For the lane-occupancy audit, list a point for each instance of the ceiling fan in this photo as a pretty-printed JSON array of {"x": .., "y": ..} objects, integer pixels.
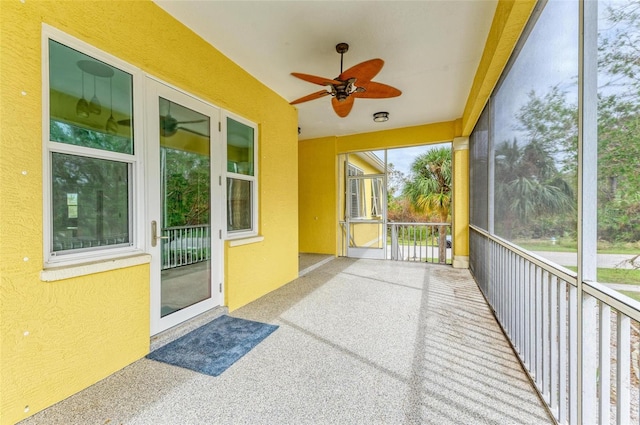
[
  {"x": 169, "y": 125},
  {"x": 350, "y": 84}
]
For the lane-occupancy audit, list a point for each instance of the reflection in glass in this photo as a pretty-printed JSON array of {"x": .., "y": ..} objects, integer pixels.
[
  {"x": 75, "y": 121},
  {"x": 238, "y": 204},
  {"x": 239, "y": 148},
  {"x": 619, "y": 135},
  {"x": 186, "y": 203},
  {"x": 535, "y": 134},
  {"x": 90, "y": 202}
]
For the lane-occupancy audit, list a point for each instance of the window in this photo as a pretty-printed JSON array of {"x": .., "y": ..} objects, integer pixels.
[
  {"x": 242, "y": 205},
  {"x": 357, "y": 205},
  {"x": 376, "y": 197},
  {"x": 90, "y": 162}
]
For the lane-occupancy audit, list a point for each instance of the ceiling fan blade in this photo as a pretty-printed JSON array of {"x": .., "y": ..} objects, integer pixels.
[
  {"x": 342, "y": 108},
  {"x": 364, "y": 71},
  {"x": 316, "y": 80},
  {"x": 312, "y": 96},
  {"x": 374, "y": 90}
]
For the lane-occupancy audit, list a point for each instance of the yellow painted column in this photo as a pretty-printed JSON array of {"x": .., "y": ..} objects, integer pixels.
[{"x": 460, "y": 225}]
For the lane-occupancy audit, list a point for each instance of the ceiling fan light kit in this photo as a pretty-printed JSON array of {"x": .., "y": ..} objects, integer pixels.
[
  {"x": 84, "y": 108},
  {"x": 381, "y": 116},
  {"x": 352, "y": 83}
]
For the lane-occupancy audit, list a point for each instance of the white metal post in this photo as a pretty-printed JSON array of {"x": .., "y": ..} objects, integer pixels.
[{"x": 587, "y": 208}]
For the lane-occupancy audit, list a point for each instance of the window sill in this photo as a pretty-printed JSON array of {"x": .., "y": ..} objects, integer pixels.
[
  {"x": 67, "y": 272},
  {"x": 245, "y": 241}
]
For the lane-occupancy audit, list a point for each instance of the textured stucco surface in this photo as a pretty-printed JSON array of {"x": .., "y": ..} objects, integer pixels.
[
  {"x": 59, "y": 337},
  {"x": 508, "y": 23},
  {"x": 317, "y": 194}
]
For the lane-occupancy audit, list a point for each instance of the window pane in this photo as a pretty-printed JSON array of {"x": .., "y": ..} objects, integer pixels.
[
  {"x": 618, "y": 138},
  {"x": 238, "y": 205},
  {"x": 90, "y": 202},
  {"x": 239, "y": 148},
  {"x": 535, "y": 135},
  {"x": 185, "y": 147},
  {"x": 91, "y": 103}
]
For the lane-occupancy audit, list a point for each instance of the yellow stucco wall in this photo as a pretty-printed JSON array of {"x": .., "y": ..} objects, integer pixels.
[
  {"x": 509, "y": 21},
  {"x": 318, "y": 177},
  {"x": 460, "y": 216},
  {"x": 57, "y": 338},
  {"x": 317, "y": 188},
  {"x": 398, "y": 138}
]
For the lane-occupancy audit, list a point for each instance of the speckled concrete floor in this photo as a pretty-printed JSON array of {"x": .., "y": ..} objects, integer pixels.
[{"x": 360, "y": 342}]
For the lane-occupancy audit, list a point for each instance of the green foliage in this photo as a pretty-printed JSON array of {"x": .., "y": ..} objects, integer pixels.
[
  {"x": 74, "y": 134},
  {"x": 428, "y": 187},
  {"x": 187, "y": 188},
  {"x": 531, "y": 194}
]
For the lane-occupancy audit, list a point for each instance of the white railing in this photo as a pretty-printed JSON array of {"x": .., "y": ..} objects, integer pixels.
[
  {"x": 536, "y": 303},
  {"x": 185, "y": 245},
  {"x": 423, "y": 242}
]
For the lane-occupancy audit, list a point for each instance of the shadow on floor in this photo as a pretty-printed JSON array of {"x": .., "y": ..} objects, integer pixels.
[{"x": 360, "y": 342}]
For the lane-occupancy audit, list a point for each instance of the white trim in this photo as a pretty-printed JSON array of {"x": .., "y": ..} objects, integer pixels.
[
  {"x": 253, "y": 179},
  {"x": 372, "y": 159},
  {"x": 136, "y": 231},
  {"x": 154, "y": 89},
  {"x": 247, "y": 241},
  {"x": 68, "y": 272}
]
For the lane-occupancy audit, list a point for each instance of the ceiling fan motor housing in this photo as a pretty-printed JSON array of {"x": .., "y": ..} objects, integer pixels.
[{"x": 343, "y": 88}]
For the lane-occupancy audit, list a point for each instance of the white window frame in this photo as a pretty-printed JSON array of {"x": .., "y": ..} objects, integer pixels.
[
  {"x": 134, "y": 161},
  {"x": 253, "y": 179},
  {"x": 353, "y": 171},
  {"x": 376, "y": 202}
]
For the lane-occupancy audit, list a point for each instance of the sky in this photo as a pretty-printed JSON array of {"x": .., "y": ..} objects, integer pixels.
[
  {"x": 549, "y": 58},
  {"x": 402, "y": 158}
]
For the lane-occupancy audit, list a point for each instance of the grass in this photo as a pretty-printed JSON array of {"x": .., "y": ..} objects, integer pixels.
[
  {"x": 570, "y": 245},
  {"x": 626, "y": 276},
  {"x": 634, "y": 295}
]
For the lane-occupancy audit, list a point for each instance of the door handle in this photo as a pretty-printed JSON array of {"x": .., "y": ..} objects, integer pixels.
[{"x": 154, "y": 234}]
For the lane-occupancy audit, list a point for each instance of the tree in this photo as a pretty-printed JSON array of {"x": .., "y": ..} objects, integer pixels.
[
  {"x": 531, "y": 190},
  {"x": 428, "y": 189},
  {"x": 619, "y": 123},
  {"x": 429, "y": 185}
]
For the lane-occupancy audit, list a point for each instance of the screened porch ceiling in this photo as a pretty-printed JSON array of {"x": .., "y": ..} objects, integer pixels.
[{"x": 431, "y": 51}]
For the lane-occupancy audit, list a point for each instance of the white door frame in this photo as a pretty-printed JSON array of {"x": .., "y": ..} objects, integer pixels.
[
  {"x": 367, "y": 252},
  {"x": 154, "y": 89}
]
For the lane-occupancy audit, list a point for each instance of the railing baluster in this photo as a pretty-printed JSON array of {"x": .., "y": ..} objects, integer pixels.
[
  {"x": 185, "y": 245},
  {"x": 604, "y": 364},
  {"x": 573, "y": 354},
  {"x": 554, "y": 343},
  {"x": 537, "y": 286},
  {"x": 623, "y": 362},
  {"x": 563, "y": 353},
  {"x": 546, "y": 341},
  {"x": 589, "y": 360}
]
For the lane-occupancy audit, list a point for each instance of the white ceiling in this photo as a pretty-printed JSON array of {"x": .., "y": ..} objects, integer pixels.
[{"x": 431, "y": 51}]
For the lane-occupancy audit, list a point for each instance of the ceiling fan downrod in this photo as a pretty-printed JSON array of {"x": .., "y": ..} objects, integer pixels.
[
  {"x": 342, "y": 48},
  {"x": 342, "y": 91}
]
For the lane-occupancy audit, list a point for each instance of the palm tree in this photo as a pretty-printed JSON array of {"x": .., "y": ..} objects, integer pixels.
[
  {"x": 429, "y": 189},
  {"x": 528, "y": 185}
]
